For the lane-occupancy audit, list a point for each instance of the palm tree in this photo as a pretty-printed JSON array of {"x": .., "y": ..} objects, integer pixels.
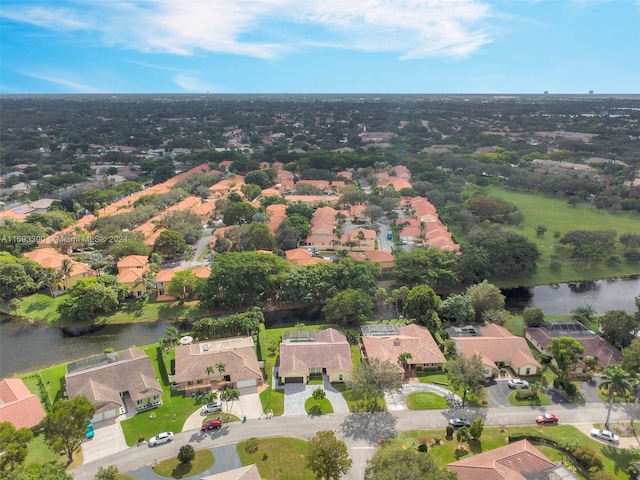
[
  {"x": 51, "y": 278},
  {"x": 221, "y": 367},
  {"x": 229, "y": 395},
  {"x": 360, "y": 239},
  {"x": 616, "y": 382},
  {"x": 65, "y": 271},
  {"x": 402, "y": 360}
]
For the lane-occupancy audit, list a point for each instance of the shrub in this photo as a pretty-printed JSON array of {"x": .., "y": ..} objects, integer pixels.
[
  {"x": 186, "y": 454},
  {"x": 632, "y": 256},
  {"x": 251, "y": 445},
  {"x": 463, "y": 435},
  {"x": 555, "y": 266},
  {"x": 545, "y": 359},
  {"x": 602, "y": 475},
  {"x": 526, "y": 395},
  {"x": 533, "y": 316},
  {"x": 566, "y": 385},
  {"x": 450, "y": 430},
  {"x": 587, "y": 456},
  {"x": 423, "y": 440},
  {"x": 423, "y": 448},
  {"x": 614, "y": 260}
]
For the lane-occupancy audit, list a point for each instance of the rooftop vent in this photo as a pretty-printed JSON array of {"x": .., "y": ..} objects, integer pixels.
[{"x": 205, "y": 347}]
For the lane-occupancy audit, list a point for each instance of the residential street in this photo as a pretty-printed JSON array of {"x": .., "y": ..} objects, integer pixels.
[{"x": 361, "y": 432}]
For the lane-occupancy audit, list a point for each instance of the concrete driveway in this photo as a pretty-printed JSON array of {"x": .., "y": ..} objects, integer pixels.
[
  {"x": 107, "y": 440},
  {"x": 296, "y": 394},
  {"x": 397, "y": 401}
]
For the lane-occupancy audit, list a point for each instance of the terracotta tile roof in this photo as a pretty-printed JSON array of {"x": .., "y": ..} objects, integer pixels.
[
  {"x": 379, "y": 256},
  {"x": 330, "y": 350},
  {"x": 165, "y": 275},
  {"x": 413, "y": 338},
  {"x": 133, "y": 261},
  {"x": 132, "y": 276},
  {"x": 498, "y": 345},
  {"x": 504, "y": 463},
  {"x": 202, "y": 272},
  {"x": 51, "y": 258},
  {"x": 132, "y": 372},
  {"x": 236, "y": 353},
  {"x": 18, "y": 405}
]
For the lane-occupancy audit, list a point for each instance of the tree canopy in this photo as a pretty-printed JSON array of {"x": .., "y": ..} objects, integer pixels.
[
  {"x": 431, "y": 266},
  {"x": 65, "y": 426},
  {"x": 349, "y": 308},
  {"x": 467, "y": 373},
  {"x": 619, "y": 327},
  {"x": 566, "y": 352},
  {"x": 485, "y": 296},
  {"x": 404, "y": 464},
  {"x": 327, "y": 457},
  {"x": 422, "y": 304},
  {"x": 373, "y": 378}
]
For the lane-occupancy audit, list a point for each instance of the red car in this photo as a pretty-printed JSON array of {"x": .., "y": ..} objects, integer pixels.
[
  {"x": 211, "y": 425},
  {"x": 547, "y": 418}
]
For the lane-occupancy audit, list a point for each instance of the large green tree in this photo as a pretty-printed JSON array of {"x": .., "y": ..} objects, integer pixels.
[
  {"x": 432, "y": 266},
  {"x": 65, "y": 426},
  {"x": 36, "y": 471},
  {"x": 566, "y": 352},
  {"x": 631, "y": 357},
  {"x": 349, "y": 308},
  {"x": 485, "y": 296},
  {"x": 422, "y": 304},
  {"x": 13, "y": 445},
  {"x": 373, "y": 378},
  {"x": 616, "y": 382},
  {"x": 467, "y": 373},
  {"x": 183, "y": 285},
  {"x": 508, "y": 253},
  {"x": 327, "y": 456},
  {"x": 243, "y": 279},
  {"x": 457, "y": 310},
  {"x": 14, "y": 281},
  {"x": 619, "y": 327},
  {"x": 87, "y": 298},
  {"x": 405, "y": 464},
  {"x": 170, "y": 244},
  {"x": 239, "y": 213}
]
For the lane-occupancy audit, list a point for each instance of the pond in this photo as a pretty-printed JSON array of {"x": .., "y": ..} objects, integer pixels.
[{"x": 25, "y": 347}]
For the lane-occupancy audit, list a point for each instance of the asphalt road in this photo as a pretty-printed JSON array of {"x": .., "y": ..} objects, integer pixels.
[{"x": 361, "y": 432}]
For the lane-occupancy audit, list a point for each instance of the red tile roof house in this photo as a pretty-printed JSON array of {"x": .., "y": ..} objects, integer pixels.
[
  {"x": 414, "y": 339},
  {"x": 498, "y": 348},
  {"x": 594, "y": 345},
  {"x": 115, "y": 383},
  {"x": 18, "y": 405},
  {"x": 242, "y": 370},
  {"x": 516, "y": 461},
  {"x": 323, "y": 352}
]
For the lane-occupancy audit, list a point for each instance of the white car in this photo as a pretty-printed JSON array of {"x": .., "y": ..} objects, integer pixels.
[
  {"x": 212, "y": 407},
  {"x": 517, "y": 383},
  {"x": 605, "y": 435},
  {"x": 163, "y": 437}
]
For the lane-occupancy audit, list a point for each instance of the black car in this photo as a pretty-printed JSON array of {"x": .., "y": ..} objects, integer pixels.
[{"x": 459, "y": 422}]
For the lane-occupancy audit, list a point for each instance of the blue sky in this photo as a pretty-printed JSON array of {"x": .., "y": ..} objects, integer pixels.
[{"x": 319, "y": 46}]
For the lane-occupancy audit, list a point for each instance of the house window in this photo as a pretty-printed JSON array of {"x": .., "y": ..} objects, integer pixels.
[
  {"x": 340, "y": 377},
  {"x": 160, "y": 292},
  {"x": 156, "y": 397},
  {"x": 528, "y": 371},
  {"x": 139, "y": 402},
  {"x": 189, "y": 382},
  {"x": 227, "y": 378},
  {"x": 199, "y": 382}
]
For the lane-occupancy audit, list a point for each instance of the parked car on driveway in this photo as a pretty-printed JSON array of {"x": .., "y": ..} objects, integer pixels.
[
  {"x": 212, "y": 407},
  {"x": 90, "y": 430},
  {"x": 605, "y": 435},
  {"x": 211, "y": 425},
  {"x": 517, "y": 383},
  {"x": 459, "y": 422},
  {"x": 161, "y": 438},
  {"x": 547, "y": 418}
]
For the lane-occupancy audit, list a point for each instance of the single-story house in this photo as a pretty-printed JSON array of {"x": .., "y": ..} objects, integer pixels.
[
  {"x": 241, "y": 369},
  {"x": 323, "y": 352},
  {"x": 115, "y": 383},
  {"x": 516, "y": 461},
  {"x": 385, "y": 343},
  {"x": 18, "y": 405},
  {"x": 499, "y": 348},
  {"x": 594, "y": 345}
]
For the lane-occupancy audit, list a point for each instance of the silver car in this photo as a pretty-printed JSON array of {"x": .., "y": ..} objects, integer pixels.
[
  {"x": 161, "y": 438},
  {"x": 605, "y": 435}
]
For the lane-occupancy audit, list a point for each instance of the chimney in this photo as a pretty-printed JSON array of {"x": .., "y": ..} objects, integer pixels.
[{"x": 396, "y": 342}]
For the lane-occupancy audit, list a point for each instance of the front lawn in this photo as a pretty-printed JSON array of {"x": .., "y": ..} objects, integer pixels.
[
  {"x": 278, "y": 458},
  {"x": 172, "y": 468},
  {"x": 358, "y": 405},
  {"x": 39, "y": 452},
  {"x": 615, "y": 460},
  {"x": 604, "y": 396},
  {"x": 272, "y": 400},
  {"x": 426, "y": 401},
  {"x": 541, "y": 399},
  {"x": 437, "y": 377},
  {"x": 313, "y": 407}
]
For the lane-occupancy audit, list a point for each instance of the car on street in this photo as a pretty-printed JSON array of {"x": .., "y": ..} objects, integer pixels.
[
  {"x": 211, "y": 407},
  {"x": 164, "y": 437},
  {"x": 517, "y": 383},
  {"x": 459, "y": 422},
  {"x": 211, "y": 425},
  {"x": 404, "y": 240},
  {"x": 605, "y": 435},
  {"x": 547, "y": 418}
]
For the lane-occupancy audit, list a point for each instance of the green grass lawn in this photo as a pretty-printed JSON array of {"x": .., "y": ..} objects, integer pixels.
[
  {"x": 318, "y": 408},
  {"x": 565, "y": 218},
  {"x": 273, "y": 400},
  {"x": 172, "y": 468},
  {"x": 426, "y": 401},
  {"x": 615, "y": 460},
  {"x": 278, "y": 458},
  {"x": 53, "y": 379},
  {"x": 42, "y": 308},
  {"x": 541, "y": 400},
  {"x": 622, "y": 429},
  {"x": 604, "y": 396},
  {"x": 358, "y": 405},
  {"x": 437, "y": 377},
  {"x": 39, "y": 452}
]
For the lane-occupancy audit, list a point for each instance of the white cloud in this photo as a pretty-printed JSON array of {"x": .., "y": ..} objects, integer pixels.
[
  {"x": 63, "y": 79},
  {"x": 192, "y": 84},
  {"x": 258, "y": 28},
  {"x": 51, "y": 18}
]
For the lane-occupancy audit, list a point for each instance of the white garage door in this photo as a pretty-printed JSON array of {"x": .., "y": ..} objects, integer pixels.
[
  {"x": 98, "y": 417},
  {"x": 110, "y": 414}
]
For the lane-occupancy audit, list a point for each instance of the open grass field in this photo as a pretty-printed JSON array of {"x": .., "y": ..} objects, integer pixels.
[
  {"x": 278, "y": 458},
  {"x": 558, "y": 216},
  {"x": 426, "y": 401},
  {"x": 172, "y": 468},
  {"x": 42, "y": 308},
  {"x": 615, "y": 460}
]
